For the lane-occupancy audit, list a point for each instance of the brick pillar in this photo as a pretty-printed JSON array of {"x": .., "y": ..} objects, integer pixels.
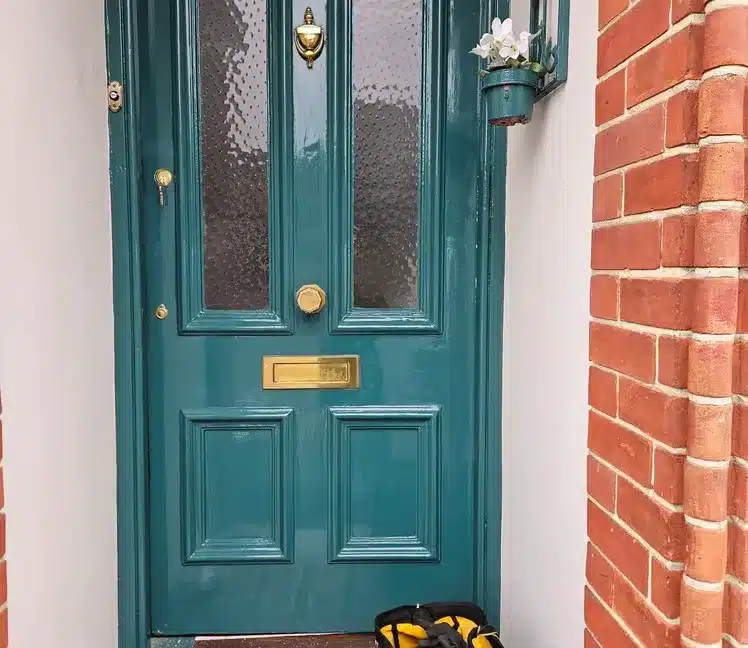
[{"x": 668, "y": 429}]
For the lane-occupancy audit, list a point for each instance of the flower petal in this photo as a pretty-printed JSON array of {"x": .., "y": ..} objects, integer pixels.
[
  {"x": 486, "y": 40},
  {"x": 506, "y": 27},
  {"x": 480, "y": 51},
  {"x": 496, "y": 27}
]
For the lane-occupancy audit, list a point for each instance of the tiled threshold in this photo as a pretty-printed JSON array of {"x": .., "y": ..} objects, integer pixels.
[{"x": 269, "y": 641}]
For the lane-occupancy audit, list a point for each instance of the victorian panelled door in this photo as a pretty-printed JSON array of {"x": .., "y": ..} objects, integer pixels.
[{"x": 310, "y": 261}]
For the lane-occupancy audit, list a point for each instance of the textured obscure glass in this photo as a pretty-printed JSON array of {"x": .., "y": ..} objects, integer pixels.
[
  {"x": 233, "y": 96},
  {"x": 386, "y": 115}
]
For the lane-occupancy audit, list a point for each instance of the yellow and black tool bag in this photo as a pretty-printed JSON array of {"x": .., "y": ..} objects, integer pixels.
[{"x": 435, "y": 625}]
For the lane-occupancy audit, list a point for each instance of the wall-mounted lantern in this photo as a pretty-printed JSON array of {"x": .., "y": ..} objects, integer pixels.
[{"x": 519, "y": 70}]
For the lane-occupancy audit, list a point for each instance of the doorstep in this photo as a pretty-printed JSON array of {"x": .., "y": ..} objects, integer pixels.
[{"x": 268, "y": 641}]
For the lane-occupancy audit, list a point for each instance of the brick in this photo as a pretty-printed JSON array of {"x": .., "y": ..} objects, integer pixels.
[
  {"x": 737, "y": 551},
  {"x": 736, "y": 612},
  {"x": 4, "y": 628},
  {"x": 640, "y": 25},
  {"x": 636, "y": 138},
  {"x": 710, "y": 431},
  {"x": 607, "y": 198},
  {"x": 610, "y": 98},
  {"x": 604, "y": 297},
  {"x": 682, "y": 116},
  {"x": 665, "y": 65},
  {"x": 665, "y": 303},
  {"x": 709, "y": 368},
  {"x": 705, "y": 492},
  {"x": 659, "y": 415},
  {"x": 2, "y": 534},
  {"x": 717, "y": 237},
  {"x": 642, "y": 619},
  {"x": 722, "y": 171},
  {"x": 603, "y": 390},
  {"x": 682, "y": 8},
  {"x": 3, "y": 582},
  {"x": 701, "y": 614},
  {"x": 740, "y": 367},
  {"x": 663, "y": 184},
  {"x": 619, "y": 547},
  {"x": 666, "y": 589},
  {"x": 589, "y": 640},
  {"x": 620, "y": 447},
  {"x": 678, "y": 240},
  {"x": 609, "y": 9},
  {"x": 742, "y": 323},
  {"x": 672, "y": 369},
  {"x": 661, "y": 528},
  {"x": 721, "y": 105},
  {"x": 629, "y": 352},
  {"x": 601, "y": 483},
  {"x": 738, "y": 491},
  {"x": 630, "y": 245},
  {"x": 726, "y": 37},
  {"x": 599, "y": 573},
  {"x": 668, "y": 476},
  {"x": 715, "y": 305},
  {"x": 740, "y": 431},
  {"x": 745, "y": 113},
  {"x": 706, "y": 553},
  {"x": 602, "y": 624}
]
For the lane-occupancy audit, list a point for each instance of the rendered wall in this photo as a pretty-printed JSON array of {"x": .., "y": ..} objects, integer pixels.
[
  {"x": 56, "y": 358},
  {"x": 549, "y": 200}
]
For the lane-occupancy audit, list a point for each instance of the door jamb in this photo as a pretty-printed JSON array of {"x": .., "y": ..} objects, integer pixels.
[{"x": 126, "y": 186}]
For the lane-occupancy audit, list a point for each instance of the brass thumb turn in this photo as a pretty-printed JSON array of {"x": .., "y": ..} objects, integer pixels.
[{"x": 310, "y": 298}]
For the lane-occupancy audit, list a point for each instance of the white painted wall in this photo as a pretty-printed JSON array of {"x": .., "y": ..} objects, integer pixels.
[
  {"x": 56, "y": 338},
  {"x": 56, "y": 342},
  {"x": 549, "y": 207}
]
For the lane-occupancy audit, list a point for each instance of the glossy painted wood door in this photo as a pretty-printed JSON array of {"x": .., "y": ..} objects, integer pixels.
[{"x": 310, "y": 510}]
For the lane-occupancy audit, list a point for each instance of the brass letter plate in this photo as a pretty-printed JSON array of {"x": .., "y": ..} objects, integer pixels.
[{"x": 310, "y": 372}]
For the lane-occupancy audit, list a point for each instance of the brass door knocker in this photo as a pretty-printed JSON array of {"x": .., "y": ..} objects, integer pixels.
[{"x": 310, "y": 39}]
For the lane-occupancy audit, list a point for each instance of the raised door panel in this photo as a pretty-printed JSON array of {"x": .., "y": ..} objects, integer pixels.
[
  {"x": 237, "y": 474},
  {"x": 384, "y": 484}
]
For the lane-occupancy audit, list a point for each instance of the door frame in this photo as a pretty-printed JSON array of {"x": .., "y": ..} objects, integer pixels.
[{"x": 126, "y": 186}]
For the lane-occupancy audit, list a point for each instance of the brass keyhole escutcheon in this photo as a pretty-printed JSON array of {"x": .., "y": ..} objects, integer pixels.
[
  {"x": 162, "y": 312},
  {"x": 310, "y": 299},
  {"x": 310, "y": 39}
]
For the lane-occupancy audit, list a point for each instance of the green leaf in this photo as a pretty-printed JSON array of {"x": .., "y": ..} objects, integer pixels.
[{"x": 538, "y": 68}]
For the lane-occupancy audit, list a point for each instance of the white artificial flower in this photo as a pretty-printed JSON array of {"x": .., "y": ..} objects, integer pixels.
[
  {"x": 524, "y": 43},
  {"x": 483, "y": 48},
  {"x": 502, "y": 30},
  {"x": 509, "y": 49}
]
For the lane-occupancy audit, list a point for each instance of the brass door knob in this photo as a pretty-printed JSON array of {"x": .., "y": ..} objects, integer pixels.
[{"x": 310, "y": 298}]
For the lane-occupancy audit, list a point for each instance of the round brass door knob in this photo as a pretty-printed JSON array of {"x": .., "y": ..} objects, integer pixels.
[{"x": 310, "y": 298}]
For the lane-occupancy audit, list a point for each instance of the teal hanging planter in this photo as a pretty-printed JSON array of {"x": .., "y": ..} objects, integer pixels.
[{"x": 510, "y": 95}]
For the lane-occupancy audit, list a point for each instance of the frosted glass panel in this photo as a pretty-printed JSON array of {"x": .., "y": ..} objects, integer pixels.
[
  {"x": 233, "y": 104},
  {"x": 386, "y": 114}
]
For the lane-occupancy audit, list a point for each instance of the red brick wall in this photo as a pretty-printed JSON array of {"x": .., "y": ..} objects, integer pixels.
[{"x": 668, "y": 423}]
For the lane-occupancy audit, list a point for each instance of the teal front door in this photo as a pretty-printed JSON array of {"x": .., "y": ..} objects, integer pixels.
[{"x": 311, "y": 311}]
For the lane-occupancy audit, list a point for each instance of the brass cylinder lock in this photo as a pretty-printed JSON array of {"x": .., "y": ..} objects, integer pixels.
[{"x": 310, "y": 299}]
